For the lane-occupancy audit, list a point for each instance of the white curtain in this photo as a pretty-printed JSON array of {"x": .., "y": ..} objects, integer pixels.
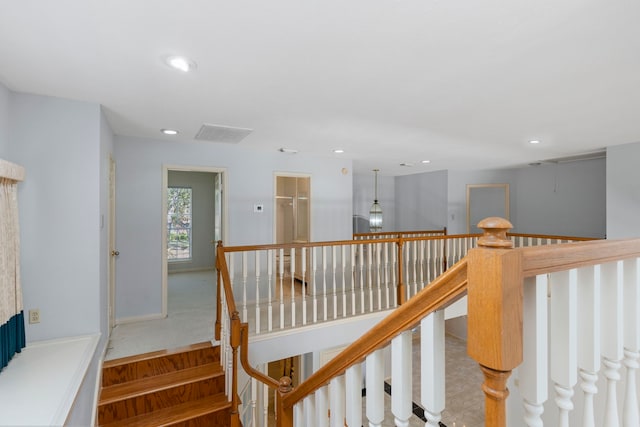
[{"x": 12, "y": 338}]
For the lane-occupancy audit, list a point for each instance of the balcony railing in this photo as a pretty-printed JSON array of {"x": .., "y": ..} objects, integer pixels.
[{"x": 588, "y": 291}]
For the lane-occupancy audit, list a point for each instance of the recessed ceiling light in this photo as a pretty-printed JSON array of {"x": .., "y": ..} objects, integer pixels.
[
  {"x": 169, "y": 131},
  {"x": 426, "y": 161},
  {"x": 338, "y": 151},
  {"x": 181, "y": 63},
  {"x": 534, "y": 141}
]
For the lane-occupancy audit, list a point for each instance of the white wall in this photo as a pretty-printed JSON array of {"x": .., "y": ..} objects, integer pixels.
[
  {"x": 4, "y": 122},
  {"x": 564, "y": 199},
  {"x": 57, "y": 141},
  {"x": 421, "y": 201},
  {"x": 250, "y": 180},
  {"x": 623, "y": 191},
  {"x": 202, "y": 221},
  {"x": 363, "y": 194}
]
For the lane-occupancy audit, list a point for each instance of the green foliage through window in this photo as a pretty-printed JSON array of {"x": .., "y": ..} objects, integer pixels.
[{"x": 179, "y": 205}]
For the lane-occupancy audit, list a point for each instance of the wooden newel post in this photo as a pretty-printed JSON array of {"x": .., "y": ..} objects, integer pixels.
[
  {"x": 284, "y": 416},
  {"x": 495, "y": 314},
  {"x": 236, "y": 339}
]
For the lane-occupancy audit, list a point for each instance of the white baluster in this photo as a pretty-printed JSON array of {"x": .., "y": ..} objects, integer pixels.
[
  {"x": 394, "y": 274},
  {"x": 370, "y": 275},
  {"x": 265, "y": 404},
  {"x": 588, "y": 339},
  {"x": 245, "y": 272},
  {"x": 563, "y": 357},
  {"x": 631, "y": 291},
  {"x": 257, "y": 328},
  {"x": 281, "y": 288},
  {"x": 343, "y": 267},
  {"x": 533, "y": 372},
  {"x": 322, "y": 407},
  {"x": 254, "y": 401},
  {"x": 630, "y": 407},
  {"x": 270, "y": 290},
  {"x": 361, "y": 255},
  {"x": 315, "y": 290},
  {"x": 292, "y": 271},
  {"x": 427, "y": 261},
  {"x": 423, "y": 283},
  {"x": 612, "y": 337},
  {"x": 353, "y": 249},
  {"x": 407, "y": 276},
  {"x": 401, "y": 373},
  {"x": 432, "y": 360},
  {"x": 337, "y": 401},
  {"x": 353, "y": 379},
  {"x": 304, "y": 285},
  {"x": 375, "y": 388},
  {"x": 298, "y": 415},
  {"x": 310, "y": 410},
  {"x": 333, "y": 276},
  {"x": 386, "y": 276},
  {"x": 378, "y": 276},
  {"x": 324, "y": 280}
]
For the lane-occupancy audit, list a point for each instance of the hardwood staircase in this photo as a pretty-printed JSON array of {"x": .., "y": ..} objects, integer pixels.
[{"x": 182, "y": 387}]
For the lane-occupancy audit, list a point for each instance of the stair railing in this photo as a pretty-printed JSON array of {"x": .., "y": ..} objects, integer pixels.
[{"x": 237, "y": 332}]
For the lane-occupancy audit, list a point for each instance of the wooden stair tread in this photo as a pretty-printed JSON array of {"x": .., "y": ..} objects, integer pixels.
[
  {"x": 155, "y": 354},
  {"x": 176, "y": 414},
  {"x": 151, "y": 384}
]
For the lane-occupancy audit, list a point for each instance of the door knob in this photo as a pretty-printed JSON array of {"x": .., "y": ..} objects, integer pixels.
[{"x": 115, "y": 253}]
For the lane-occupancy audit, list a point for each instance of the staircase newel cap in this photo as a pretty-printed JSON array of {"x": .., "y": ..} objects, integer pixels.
[
  {"x": 495, "y": 233},
  {"x": 285, "y": 385}
]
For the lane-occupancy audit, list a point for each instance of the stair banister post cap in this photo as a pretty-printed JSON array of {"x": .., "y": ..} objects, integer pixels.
[
  {"x": 285, "y": 385},
  {"x": 495, "y": 233}
]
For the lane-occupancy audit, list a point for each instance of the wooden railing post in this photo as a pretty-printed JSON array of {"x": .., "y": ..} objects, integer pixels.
[
  {"x": 495, "y": 314},
  {"x": 284, "y": 416},
  {"x": 401, "y": 294},
  {"x": 236, "y": 339},
  {"x": 218, "y": 326}
]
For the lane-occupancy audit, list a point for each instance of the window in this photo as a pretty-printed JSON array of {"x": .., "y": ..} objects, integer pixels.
[{"x": 179, "y": 204}]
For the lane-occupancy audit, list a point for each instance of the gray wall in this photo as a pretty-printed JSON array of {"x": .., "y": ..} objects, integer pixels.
[
  {"x": 457, "y": 195},
  {"x": 565, "y": 199},
  {"x": 250, "y": 180},
  {"x": 363, "y": 193},
  {"x": 202, "y": 219},
  {"x": 623, "y": 191},
  {"x": 4, "y": 122},
  {"x": 421, "y": 201}
]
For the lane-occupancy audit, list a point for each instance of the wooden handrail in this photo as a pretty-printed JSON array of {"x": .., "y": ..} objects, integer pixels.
[
  {"x": 443, "y": 291},
  {"x": 400, "y": 233},
  {"x": 548, "y": 259},
  {"x": 552, "y": 236}
]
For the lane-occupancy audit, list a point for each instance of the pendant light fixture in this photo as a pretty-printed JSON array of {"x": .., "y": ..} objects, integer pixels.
[{"x": 375, "y": 213}]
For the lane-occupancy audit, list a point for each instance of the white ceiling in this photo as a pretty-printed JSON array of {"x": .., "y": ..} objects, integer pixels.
[{"x": 463, "y": 83}]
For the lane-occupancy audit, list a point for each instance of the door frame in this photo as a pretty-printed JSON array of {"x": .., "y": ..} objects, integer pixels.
[
  {"x": 163, "y": 232},
  {"x": 111, "y": 236},
  {"x": 275, "y": 204}
]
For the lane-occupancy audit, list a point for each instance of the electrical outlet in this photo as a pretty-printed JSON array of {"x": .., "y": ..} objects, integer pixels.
[{"x": 34, "y": 315}]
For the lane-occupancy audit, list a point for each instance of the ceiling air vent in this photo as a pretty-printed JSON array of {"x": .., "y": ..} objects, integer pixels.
[{"x": 217, "y": 133}]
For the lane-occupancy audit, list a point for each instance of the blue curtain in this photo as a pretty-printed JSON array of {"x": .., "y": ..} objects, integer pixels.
[{"x": 12, "y": 339}]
